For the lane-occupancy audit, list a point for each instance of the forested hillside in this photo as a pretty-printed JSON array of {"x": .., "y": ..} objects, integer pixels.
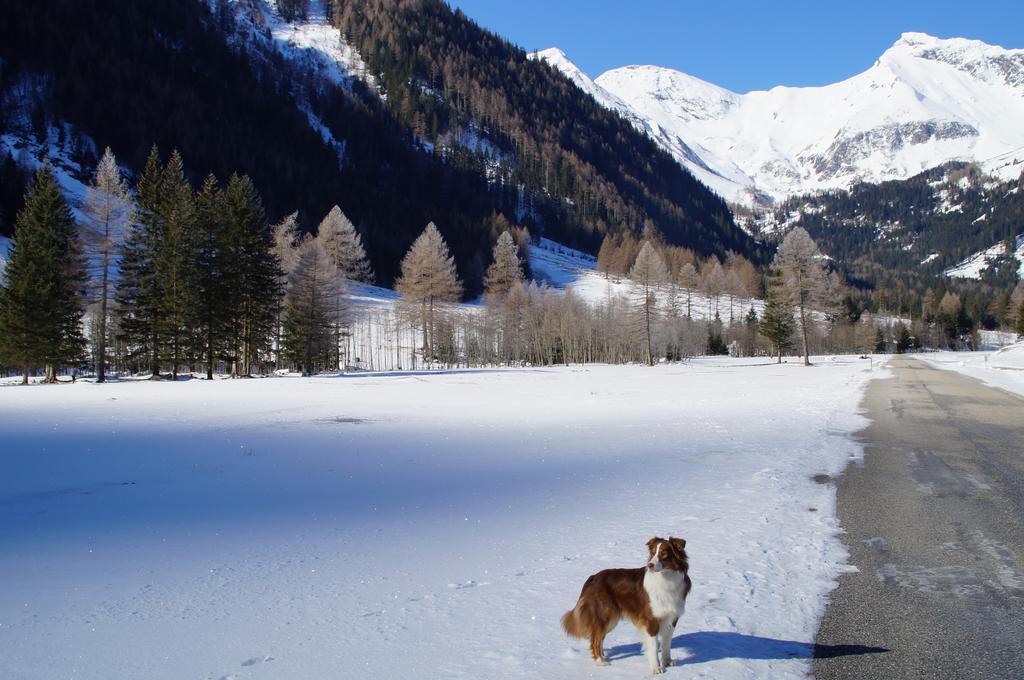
[
  {"x": 898, "y": 240},
  {"x": 906, "y": 230},
  {"x": 469, "y": 133}
]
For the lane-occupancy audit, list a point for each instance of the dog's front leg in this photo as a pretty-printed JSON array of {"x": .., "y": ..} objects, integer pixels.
[
  {"x": 666, "y": 643},
  {"x": 651, "y": 649}
]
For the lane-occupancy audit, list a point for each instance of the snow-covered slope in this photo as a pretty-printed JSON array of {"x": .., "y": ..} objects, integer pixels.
[
  {"x": 410, "y": 526},
  {"x": 925, "y": 101},
  {"x": 973, "y": 266},
  {"x": 312, "y": 41}
]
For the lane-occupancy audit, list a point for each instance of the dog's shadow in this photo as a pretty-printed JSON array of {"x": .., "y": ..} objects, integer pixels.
[{"x": 714, "y": 645}]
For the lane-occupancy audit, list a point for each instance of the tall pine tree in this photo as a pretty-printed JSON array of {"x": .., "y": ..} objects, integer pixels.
[
  {"x": 174, "y": 264},
  {"x": 137, "y": 293},
  {"x": 41, "y": 302},
  {"x": 254, "y": 275},
  {"x": 212, "y": 323},
  {"x": 777, "y": 320}
]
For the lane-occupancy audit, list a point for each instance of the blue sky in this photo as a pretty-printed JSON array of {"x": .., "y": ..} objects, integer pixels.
[{"x": 741, "y": 45}]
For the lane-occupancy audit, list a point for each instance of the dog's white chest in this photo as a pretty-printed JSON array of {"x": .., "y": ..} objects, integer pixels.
[{"x": 665, "y": 592}]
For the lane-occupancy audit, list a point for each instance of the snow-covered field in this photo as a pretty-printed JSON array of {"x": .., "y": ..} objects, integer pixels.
[
  {"x": 415, "y": 525},
  {"x": 1003, "y": 368}
]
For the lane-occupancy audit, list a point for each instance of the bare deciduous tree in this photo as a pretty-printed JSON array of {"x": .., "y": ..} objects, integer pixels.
[
  {"x": 108, "y": 212},
  {"x": 648, "y": 275},
  {"x": 428, "y": 277},
  {"x": 505, "y": 271},
  {"x": 688, "y": 281},
  {"x": 803, "y": 278},
  {"x": 344, "y": 246}
]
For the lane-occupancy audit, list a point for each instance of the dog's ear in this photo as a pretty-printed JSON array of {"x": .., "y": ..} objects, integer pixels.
[
  {"x": 678, "y": 543},
  {"x": 653, "y": 542}
]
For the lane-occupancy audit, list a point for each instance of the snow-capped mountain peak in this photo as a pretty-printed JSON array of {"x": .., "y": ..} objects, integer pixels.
[{"x": 924, "y": 102}]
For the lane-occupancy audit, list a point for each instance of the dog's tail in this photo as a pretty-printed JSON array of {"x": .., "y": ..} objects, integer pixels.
[{"x": 572, "y": 624}]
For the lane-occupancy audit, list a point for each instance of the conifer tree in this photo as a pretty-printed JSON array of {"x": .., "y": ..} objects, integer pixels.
[
  {"x": 777, "y": 319},
  {"x": 211, "y": 317},
  {"x": 41, "y": 302},
  {"x": 688, "y": 280},
  {"x": 505, "y": 270},
  {"x": 254, "y": 278},
  {"x": 174, "y": 263},
  {"x": 648, "y": 275},
  {"x": 285, "y": 237},
  {"x": 137, "y": 293},
  {"x": 344, "y": 246},
  {"x": 752, "y": 323},
  {"x": 311, "y": 307},
  {"x": 108, "y": 212},
  {"x": 428, "y": 277}
]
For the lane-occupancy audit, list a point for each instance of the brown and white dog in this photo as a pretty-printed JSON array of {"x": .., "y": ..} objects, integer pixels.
[{"x": 652, "y": 597}]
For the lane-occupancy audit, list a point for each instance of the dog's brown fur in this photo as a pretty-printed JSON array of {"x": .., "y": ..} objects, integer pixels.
[{"x": 613, "y": 594}]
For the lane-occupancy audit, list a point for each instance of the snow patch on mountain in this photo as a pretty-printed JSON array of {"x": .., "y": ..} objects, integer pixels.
[
  {"x": 30, "y": 153},
  {"x": 974, "y": 266},
  {"x": 926, "y": 101},
  {"x": 311, "y": 42},
  {"x": 316, "y": 42}
]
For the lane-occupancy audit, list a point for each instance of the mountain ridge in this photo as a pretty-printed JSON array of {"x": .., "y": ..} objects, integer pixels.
[{"x": 924, "y": 102}]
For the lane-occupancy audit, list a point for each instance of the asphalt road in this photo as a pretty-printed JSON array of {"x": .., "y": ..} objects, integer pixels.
[{"x": 934, "y": 522}]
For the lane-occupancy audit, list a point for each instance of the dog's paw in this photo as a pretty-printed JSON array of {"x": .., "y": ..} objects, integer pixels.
[{"x": 603, "y": 661}]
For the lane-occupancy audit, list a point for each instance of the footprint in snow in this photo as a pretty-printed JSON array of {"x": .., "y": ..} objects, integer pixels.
[{"x": 256, "y": 659}]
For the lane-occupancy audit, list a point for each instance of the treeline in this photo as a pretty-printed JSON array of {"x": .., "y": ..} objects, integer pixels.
[{"x": 170, "y": 278}]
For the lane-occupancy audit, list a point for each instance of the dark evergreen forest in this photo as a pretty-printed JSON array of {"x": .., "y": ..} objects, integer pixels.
[{"x": 131, "y": 75}]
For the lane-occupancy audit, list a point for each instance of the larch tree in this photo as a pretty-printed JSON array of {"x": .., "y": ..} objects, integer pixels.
[
  {"x": 429, "y": 277},
  {"x": 311, "y": 307},
  {"x": 688, "y": 280},
  {"x": 41, "y": 302},
  {"x": 648, "y": 275},
  {"x": 733, "y": 288},
  {"x": 505, "y": 271},
  {"x": 344, "y": 246},
  {"x": 285, "y": 236},
  {"x": 713, "y": 282},
  {"x": 504, "y": 275},
  {"x": 108, "y": 212},
  {"x": 804, "y": 280}
]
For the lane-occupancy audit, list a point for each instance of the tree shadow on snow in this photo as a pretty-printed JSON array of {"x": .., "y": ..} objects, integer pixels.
[{"x": 715, "y": 645}]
